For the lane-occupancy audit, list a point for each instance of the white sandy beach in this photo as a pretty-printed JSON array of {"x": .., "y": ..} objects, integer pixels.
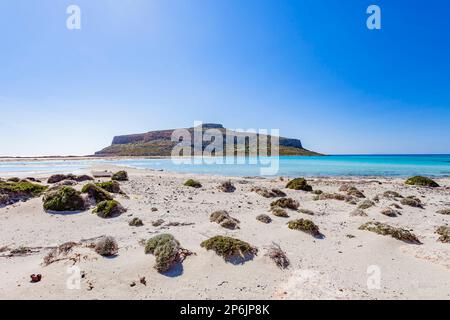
[{"x": 334, "y": 267}]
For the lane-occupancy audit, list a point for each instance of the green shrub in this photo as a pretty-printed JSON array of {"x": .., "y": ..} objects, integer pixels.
[
  {"x": 264, "y": 218},
  {"x": 317, "y": 192},
  {"x": 299, "y": 184},
  {"x": 422, "y": 181},
  {"x": 228, "y": 247},
  {"x": 385, "y": 229},
  {"x": 97, "y": 193},
  {"x": 304, "y": 225},
  {"x": 266, "y": 193},
  {"x": 193, "y": 183},
  {"x": 412, "y": 202},
  {"x": 110, "y": 186},
  {"x": 135, "y": 222},
  {"x": 166, "y": 249},
  {"x": 109, "y": 209},
  {"x": 107, "y": 246},
  {"x": 224, "y": 219},
  {"x": 279, "y": 212},
  {"x": 354, "y": 192},
  {"x": 444, "y": 232},
  {"x": 156, "y": 241},
  {"x": 64, "y": 199},
  {"x": 285, "y": 203},
  {"x": 120, "y": 176},
  {"x": 22, "y": 189},
  {"x": 166, "y": 256},
  {"x": 366, "y": 204}
]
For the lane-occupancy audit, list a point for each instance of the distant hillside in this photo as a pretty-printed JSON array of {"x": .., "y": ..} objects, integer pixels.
[{"x": 158, "y": 143}]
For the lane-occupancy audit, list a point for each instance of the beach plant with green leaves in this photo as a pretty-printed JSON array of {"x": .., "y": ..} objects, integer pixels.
[
  {"x": 167, "y": 251},
  {"x": 412, "y": 201},
  {"x": 305, "y": 225},
  {"x": 228, "y": 247},
  {"x": 110, "y": 186},
  {"x": 355, "y": 192},
  {"x": 64, "y": 199},
  {"x": 21, "y": 190},
  {"x": 107, "y": 247},
  {"x": 365, "y": 204},
  {"x": 224, "y": 219},
  {"x": 279, "y": 212},
  {"x": 299, "y": 184},
  {"x": 268, "y": 193},
  {"x": 135, "y": 222},
  {"x": 193, "y": 183},
  {"x": 421, "y": 181},
  {"x": 264, "y": 218},
  {"x": 385, "y": 229},
  {"x": 288, "y": 203},
  {"x": 109, "y": 209},
  {"x": 120, "y": 176},
  {"x": 96, "y": 193}
]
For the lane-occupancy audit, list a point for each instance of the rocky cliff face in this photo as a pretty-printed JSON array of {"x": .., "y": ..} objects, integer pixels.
[
  {"x": 158, "y": 143},
  {"x": 157, "y": 135}
]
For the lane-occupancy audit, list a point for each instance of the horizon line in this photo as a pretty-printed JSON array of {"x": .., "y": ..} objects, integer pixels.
[{"x": 322, "y": 155}]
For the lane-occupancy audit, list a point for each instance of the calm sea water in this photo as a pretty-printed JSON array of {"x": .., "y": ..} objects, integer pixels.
[{"x": 351, "y": 165}]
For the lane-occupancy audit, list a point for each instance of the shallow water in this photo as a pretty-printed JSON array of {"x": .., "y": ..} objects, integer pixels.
[{"x": 351, "y": 165}]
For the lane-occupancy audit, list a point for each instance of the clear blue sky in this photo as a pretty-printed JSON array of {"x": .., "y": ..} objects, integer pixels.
[{"x": 310, "y": 68}]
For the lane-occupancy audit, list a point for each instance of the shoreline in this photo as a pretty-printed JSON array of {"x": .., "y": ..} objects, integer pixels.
[
  {"x": 389, "y": 168},
  {"x": 85, "y": 170},
  {"x": 43, "y": 173},
  {"x": 73, "y": 158}
]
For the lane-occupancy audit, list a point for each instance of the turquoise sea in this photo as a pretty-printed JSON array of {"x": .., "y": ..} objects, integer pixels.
[{"x": 337, "y": 165}]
